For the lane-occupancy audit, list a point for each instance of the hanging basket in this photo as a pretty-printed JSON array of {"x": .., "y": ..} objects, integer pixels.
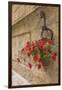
[
  {"x": 41, "y": 52},
  {"x": 38, "y": 54}
]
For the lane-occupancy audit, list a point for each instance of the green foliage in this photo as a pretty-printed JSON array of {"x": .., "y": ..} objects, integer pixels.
[
  {"x": 49, "y": 47},
  {"x": 42, "y": 55},
  {"x": 34, "y": 52}
]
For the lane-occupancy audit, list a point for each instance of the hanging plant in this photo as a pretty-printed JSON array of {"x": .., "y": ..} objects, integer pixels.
[
  {"x": 37, "y": 53},
  {"x": 40, "y": 52}
]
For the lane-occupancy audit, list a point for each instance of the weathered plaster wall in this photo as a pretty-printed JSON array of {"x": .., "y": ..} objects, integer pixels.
[{"x": 20, "y": 12}]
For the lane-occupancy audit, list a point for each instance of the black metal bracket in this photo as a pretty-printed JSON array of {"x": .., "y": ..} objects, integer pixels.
[{"x": 44, "y": 27}]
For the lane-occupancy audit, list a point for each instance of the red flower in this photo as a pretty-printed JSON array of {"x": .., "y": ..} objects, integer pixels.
[
  {"x": 18, "y": 60},
  {"x": 33, "y": 44},
  {"x": 30, "y": 65},
  {"x": 50, "y": 41},
  {"x": 45, "y": 50},
  {"x": 53, "y": 56},
  {"x": 28, "y": 43},
  {"x": 28, "y": 46},
  {"x": 22, "y": 50},
  {"x": 41, "y": 59},
  {"x": 41, "y": 43},
  {"x": 39, "y": 66},
  {"x": 35, "y": 58},
  {"x": 28, "y": 54}
]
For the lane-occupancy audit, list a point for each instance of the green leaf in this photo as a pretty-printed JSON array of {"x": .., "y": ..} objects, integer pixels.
[
  {"x": 49, "y": 46},
  {"x": 34, "y": 52},
  {"x": 42, "y": 55}
]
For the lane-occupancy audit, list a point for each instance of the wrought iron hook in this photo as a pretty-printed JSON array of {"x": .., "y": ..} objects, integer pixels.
[
  {"x": 44, "y": 27},
  {"x": 42, "y": 15}
]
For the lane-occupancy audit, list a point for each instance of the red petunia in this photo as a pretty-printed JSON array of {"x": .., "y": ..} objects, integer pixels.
[
  {"x": 35, "y": 58},
  {"x": 53, "y": 56},
  {"x": 28, "y": 43},
  {"x": 39, "y": 66},
  {"x": 50, "y": 41},
  {"x": 33, "y": 44},
  {"x": 41, "y": 43},
  {"x": 28, "y": 54},
  {"x": 45, "y": 50},
  {"x": 30, "y": 65},
  {"x": 18, "y": 60},
  {"x": 28, "y": 46},
  {"x": 40, "y": 59},
  {"x": 22, "y": 50}
]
